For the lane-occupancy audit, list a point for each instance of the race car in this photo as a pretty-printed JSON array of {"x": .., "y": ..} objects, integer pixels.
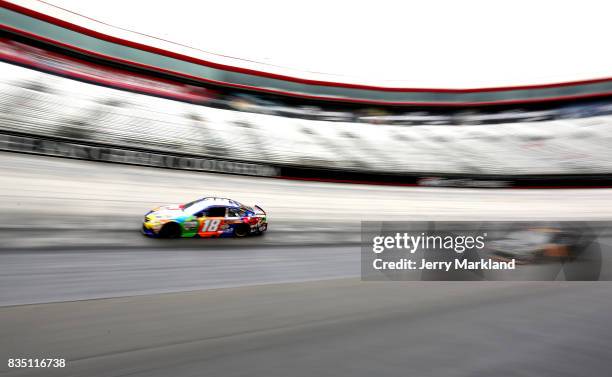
[
  {"x": 541, "y": 244},
  {"x": 205, "y": 217}
]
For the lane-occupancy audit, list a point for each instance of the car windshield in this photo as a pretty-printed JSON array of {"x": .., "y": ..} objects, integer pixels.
[
  {"x": 187, "y": 205},
  {"x": 196, "y": 206}
]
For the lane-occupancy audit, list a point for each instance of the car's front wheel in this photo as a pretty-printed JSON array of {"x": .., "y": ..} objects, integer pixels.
[{"x": 170, "y": 230}]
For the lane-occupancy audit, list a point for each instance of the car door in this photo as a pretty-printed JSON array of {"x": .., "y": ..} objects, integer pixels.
[{"x": 211, "y": 222}]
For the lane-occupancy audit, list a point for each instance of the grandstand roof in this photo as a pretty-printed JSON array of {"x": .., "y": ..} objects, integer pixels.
[{"x": 48, "y": 23}]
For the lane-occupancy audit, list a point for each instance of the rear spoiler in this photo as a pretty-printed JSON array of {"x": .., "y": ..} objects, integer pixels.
[{"x": 259, "y": 210}]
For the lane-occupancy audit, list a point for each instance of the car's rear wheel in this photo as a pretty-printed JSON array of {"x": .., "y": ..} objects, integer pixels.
[
  {"x": 170, "y": 230},
  {"x": 242, "y": 230}
]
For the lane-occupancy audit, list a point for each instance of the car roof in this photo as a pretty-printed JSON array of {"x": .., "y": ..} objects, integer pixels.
[{"x": 211, "y": 200}]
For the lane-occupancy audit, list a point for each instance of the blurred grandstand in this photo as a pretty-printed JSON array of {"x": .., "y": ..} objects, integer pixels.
[{"x": 54, "y": 94}]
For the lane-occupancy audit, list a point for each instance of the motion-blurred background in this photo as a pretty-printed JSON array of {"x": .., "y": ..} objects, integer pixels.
[{"x": 99, "y": 124}]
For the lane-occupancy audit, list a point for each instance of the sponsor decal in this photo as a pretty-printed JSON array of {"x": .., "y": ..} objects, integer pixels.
[{"x": 190, "y": 225}]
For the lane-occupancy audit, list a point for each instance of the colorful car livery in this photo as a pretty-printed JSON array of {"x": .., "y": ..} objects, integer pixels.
[{"x": 205, "y": 217}]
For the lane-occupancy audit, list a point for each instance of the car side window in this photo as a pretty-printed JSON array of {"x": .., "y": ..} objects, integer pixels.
[
  {"x": 215, "y": 212},
  {"x": 234, "y": 212}
]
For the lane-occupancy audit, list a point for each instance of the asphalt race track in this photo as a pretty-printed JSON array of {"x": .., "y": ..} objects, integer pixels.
[
  {"x": 327, "y": 328},
  {"x": 275, "y": 309},
  {"x": 34, "y": 277}
]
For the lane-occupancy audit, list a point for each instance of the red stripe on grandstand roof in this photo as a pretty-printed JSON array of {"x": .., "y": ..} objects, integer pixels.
[
  {"x": 291, "y": 94},
  {"x": 124, "y": 42},
  {"x": 279, "y": 92}
]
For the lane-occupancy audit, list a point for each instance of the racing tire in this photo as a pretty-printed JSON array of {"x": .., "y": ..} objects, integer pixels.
[
  {"x": 242, "y": 230},
  {"x": 170, "y": 230}
]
